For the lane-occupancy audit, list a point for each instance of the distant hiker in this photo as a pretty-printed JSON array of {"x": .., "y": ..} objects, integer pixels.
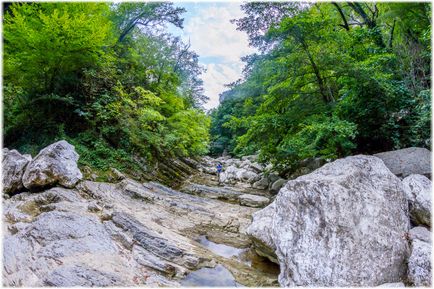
[{"x": 219, "y": 170}]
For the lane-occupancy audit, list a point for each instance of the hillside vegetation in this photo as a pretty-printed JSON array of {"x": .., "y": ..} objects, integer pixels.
[
  {"x": 106, "y": 77},
  {"x": 331, "y": 79}
]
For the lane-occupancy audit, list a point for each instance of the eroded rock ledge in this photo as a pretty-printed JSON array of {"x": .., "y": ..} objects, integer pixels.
[{"x": 347, "y": 223}]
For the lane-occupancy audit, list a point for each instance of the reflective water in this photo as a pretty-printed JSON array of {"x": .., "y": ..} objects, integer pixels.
[
  {"x": 218, "y": 276},
  {"x": 259, "y": 263},
  {"x": 220, "y": 249}
]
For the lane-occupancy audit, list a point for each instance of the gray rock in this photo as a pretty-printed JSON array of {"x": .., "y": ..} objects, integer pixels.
[
  {"x": 272, "y": 177},
  {"x": 277, "y": 185},
  {"x": 407, "y": 161},
  {"x": 145, "y": 258},
  {"x": 55, "y": 164},
  {"x": 149, "y": 240},
  {"x": 253, "y": 201},
  {"x": 418, "y": 191},
  {"x": 419, "y": 264},
  {"x": 261, "y": 233},
  {"x": 258, "y": 168},
  {"x": 136, "y": 190},
  {"x": 245, "y": 164},
  {"x": 312, "y": 163},
  {"x": 81, "y": 275},
  {"x": 421, "y": 234},
  {"x": 116, "y": 175},
  {"x": 392, "y": 285},
  {"x": 341, "y": 225},
  {"x": 13, "y": 166},
  {"x": 212, "y": 192},
  {"x": 262, "y": 184},
  {"x": 252, "y": 158}
]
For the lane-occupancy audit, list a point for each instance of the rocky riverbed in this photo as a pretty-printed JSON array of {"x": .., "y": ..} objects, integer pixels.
[{"x": 349, "y": 223}]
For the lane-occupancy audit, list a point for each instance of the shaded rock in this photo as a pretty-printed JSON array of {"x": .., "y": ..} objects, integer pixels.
[
  {"x": 272, "y": 177},
  {"x": 421, "y": 234},
  {"x": 418, "y": 191},
  {"x": 55, "y": 164},
  {"x": 115, "y": 175},
  {"x": 312, "y": 163},
  {"x": 88, "y": 174},
  {"x": 419, "y": 264},
  {"x": 13, "y": 166},
  {"x": 407, "y": 161},
  {"x": 252, "y": 158},
  {"x": 145, "y": 258},
  {"x": 261, "y": 233},
  {"x": 341, "y": 225},
  {"x": 300, "y": 172},
  {"x": 277, "y": 185},
  {"x": 253, "y": 200},
  {"x": 258, "y": 168},
  {"x": 262, "y": 184}
]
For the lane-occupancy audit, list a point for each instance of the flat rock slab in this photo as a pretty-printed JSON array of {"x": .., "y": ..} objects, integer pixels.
[
  {"x": 253, "y": 201},
  {"x": 407, "y": 161}
]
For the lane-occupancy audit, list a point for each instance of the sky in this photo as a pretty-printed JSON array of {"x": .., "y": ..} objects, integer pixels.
[{"x": 217, "y": 42}]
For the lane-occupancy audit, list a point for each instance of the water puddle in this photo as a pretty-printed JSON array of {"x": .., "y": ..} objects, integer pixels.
[
  {"x": 259, "y": 263},
  {"x": 220, "y": 249},
  {"x": 218, "y": 276}
]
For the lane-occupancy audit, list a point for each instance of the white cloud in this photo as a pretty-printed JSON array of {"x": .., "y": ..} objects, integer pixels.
[
  {"x": 212, "y": 34},
  {"x": 217, "y": 41},
  {"x": 214, "y": 79}
]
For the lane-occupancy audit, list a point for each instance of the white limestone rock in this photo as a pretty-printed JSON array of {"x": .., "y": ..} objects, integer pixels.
[
  {"x": 13, "y": 166},
  {"x": 418, "y": 191},
  {"x": 419, "y": 264},
  {"x": 341, "y": 225},
  {"x": 54, "y": 165},
  {"x": 254, "y": 201}
]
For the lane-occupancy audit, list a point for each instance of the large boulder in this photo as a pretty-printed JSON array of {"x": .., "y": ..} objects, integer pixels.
[
  {"x": 407, "y": 161},
  {"x": 341, "y": 225},
  {"x": 13, "y": 166},
  {"x": 55, "y": 164},
  {"x": 418, "y": 191}
]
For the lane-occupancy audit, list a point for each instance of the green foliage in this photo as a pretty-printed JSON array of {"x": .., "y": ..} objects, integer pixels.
[
  {"x": 84, "y": 72},
  {"x": 332, "y": 80}
]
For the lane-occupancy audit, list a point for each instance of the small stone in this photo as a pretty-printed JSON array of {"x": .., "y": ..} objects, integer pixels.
[
  {"x": 420, "y": 233},
  {"x": 262, "y": 184},
  {"x": 277, "y": 185},
  {"x": 253, "y": 200}
]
